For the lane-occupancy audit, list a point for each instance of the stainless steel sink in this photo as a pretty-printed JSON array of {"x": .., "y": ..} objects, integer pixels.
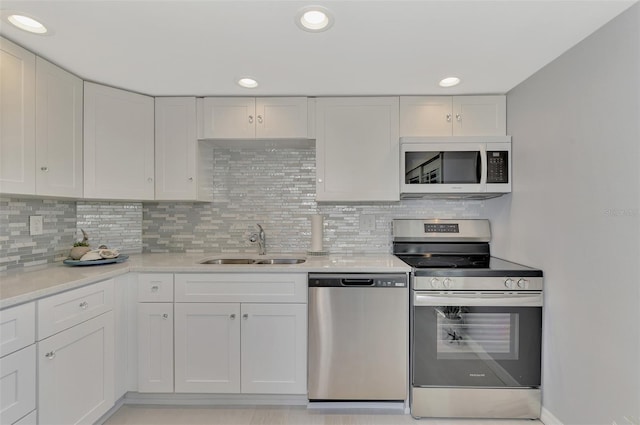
[
  {"x": 253, "y": 261},
  {"x": 281, "y": 261},
  {"x": 228, "y": 261}
]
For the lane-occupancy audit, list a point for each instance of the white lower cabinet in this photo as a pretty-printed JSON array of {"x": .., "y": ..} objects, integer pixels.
[
  {"x": 155, "y": 347},
  {"x": 17, "y": 384},
  {"x": 241, "y": 348},
  {"x": 274, "y": 348},
  {"x": 207, "y": 349},
  {"x": 76, "y": 373}
]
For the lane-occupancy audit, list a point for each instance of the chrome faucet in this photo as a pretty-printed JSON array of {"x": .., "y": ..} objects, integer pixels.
[{"x": 261, "y": 238}]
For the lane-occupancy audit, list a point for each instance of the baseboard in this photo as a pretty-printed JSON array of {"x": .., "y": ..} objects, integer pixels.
[
  {"x": 359, "y": 405},
  {"x": 547, "y": 418},
  {"x": 215, "y": 399}
]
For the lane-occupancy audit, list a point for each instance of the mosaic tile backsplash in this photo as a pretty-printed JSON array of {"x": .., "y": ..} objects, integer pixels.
[
  {"x": 273, "y": 186},
  {"x": 18, "y": 248},
  {"x": 276, "y": 188}
]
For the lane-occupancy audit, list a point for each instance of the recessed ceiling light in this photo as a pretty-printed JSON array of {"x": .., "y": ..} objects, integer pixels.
[
  {"x": 27, "y": 23},
  {"x": 449, "y": 82},
  {"x": 314, "y": 19},
  {"x": 248, "y": 83}
]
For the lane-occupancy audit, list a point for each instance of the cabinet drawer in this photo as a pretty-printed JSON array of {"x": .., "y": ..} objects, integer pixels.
[
  {"x": 17, "y": 328},
  {"x": 155, "y": 287},
  {"x": 241, "y": 287},
  {"x": 67, "y": 309},
  {"x": 18, "y": 383}
]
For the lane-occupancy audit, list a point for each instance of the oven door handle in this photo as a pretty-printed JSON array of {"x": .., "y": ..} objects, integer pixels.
[{"x": 511, "y": 299}]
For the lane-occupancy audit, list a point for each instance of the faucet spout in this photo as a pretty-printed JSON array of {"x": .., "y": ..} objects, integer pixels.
[{"x": 261, "y": 239}]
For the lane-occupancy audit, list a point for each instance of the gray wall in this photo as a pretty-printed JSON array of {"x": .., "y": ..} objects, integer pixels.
[{"x": 574, "y": 212}]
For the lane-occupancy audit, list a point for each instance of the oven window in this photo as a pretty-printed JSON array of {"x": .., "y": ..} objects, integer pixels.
[
  {"x": 462, "y": 334},
  {"x": 476, "y": 346}
]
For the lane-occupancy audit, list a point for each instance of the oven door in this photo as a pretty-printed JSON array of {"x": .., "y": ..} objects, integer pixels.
[{"x": 474, "y": 339}]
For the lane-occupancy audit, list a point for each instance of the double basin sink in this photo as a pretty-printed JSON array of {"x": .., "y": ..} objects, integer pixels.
[{"x": 238, "y": 261}]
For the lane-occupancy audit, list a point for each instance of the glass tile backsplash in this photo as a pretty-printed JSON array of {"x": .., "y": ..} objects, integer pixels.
[{"x": 272, "y": 186}]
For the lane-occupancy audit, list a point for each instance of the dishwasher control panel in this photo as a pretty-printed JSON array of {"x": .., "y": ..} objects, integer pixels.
[{"x": 358, "y": 280}]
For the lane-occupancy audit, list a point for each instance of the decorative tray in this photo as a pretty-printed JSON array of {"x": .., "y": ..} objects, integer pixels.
[{"x": 119, "y": 259}]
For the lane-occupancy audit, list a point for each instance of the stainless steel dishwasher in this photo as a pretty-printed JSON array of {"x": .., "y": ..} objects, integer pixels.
[{"x": 358, "y": 337}]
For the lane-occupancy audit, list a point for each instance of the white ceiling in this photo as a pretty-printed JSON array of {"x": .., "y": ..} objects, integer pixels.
[{"x": 374, "y": 48}]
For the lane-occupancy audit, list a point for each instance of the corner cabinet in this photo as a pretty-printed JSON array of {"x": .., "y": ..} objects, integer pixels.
[
  {"x": 357, "y": 149},
  {"x": 118, "y": 144},
  {"x": 253, "y": 118},
  {"x": 453, "y": 116},
  {"x": 181, "y": 161}
]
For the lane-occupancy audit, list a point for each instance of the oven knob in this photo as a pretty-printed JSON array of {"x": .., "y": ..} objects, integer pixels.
[
  {"x": 446, "y": 283},
  {"x": 523, "y": 283},
  {"x": 508, "y": 283},
  {"x": 435, "y": 282}
]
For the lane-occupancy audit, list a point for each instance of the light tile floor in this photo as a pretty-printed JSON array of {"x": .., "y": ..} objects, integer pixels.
[{"x": 282, "y": 415}]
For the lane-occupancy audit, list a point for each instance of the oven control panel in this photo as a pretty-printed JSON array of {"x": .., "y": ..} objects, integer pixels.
[{"x": 477, "y": 283}]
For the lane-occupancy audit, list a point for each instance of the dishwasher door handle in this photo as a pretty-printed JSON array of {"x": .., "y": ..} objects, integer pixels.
[{"x": 357, "y": 282}]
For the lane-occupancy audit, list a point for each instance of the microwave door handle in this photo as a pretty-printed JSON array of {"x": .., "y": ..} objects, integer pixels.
[{"x": 483, "y": 166}]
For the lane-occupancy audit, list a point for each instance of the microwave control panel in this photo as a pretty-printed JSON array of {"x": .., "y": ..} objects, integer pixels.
[{"x": 497, "y": 167}]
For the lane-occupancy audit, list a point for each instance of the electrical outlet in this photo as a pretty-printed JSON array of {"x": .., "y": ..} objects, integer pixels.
[
  {"x": 35, "y": 225},
  {"x": 367, "y": 222}
]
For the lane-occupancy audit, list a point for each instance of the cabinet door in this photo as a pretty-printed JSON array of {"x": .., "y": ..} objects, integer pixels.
[
  {"x": 118, "y": 144},
  {"x": 76, "y": 373},
  {"x": 17, "y": 119},
  {"x": 58, "y": 131},
  {"x": 17, "y": 328},
  {"x": 274, "y": 348},
  {"x": 207, "y": 340},
  {"x": 357, "y": 156},
  {"x": 176, "y": 148},
  {"x": 281, "y": 118},
  {"x": 425, "y": 116},
  {"x": 18, "y": 384},
  {"x": 229, "y": 118},
  {"x": 480, "y": 116},
  {"x": 155, "y": 347}
]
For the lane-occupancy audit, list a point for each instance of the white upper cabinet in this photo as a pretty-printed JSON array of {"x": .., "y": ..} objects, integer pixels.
[
  {"x": 452, "y": 116},
  {"x": 58, "y": 131},
  {"x": 357, "y": 149},
  {"x": 179, "y": 158},
  {"x": 17, "y": 119},
  {"x": 253, "y": 118},
  {"x": 118, "y": 144}
]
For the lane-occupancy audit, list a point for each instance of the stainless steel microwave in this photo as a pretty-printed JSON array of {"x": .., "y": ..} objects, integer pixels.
[{"x": 455, "y": 167}]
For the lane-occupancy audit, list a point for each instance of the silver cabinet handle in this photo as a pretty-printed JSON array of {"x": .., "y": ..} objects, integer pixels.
[
  {"x": 165, "y": 316},
  {"x": 50, "y": 355},
  {"x": 260, "y": 119},
  {"x": 448, "y": 117},
  {"x": 154, "y": 288},
  {"x": 150, "y": 179},
  {"x": 83, "y": 305},
  {"x": 458, "y": 117},
  {"x": 44, "y": 168},
  {"x": 250, "y": 119},
  {"x": 245, "y": 316},
  {"x": 190, "y": 179},
  {"x": 232, "y": 316}
]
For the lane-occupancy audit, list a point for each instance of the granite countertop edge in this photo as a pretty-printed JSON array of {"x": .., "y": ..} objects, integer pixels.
[{"x": 24, "y": 285}]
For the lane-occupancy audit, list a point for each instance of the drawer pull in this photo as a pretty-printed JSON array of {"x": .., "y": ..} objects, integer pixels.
[
  {"x": 245, "y": 316},
  {"x": 50, "y": 355},
  {"x": 232, "y": 316},
  {"x": 154, "y": 288},
  {"x": 165, "y": 316},
  {"x": 84, "y": 305}
]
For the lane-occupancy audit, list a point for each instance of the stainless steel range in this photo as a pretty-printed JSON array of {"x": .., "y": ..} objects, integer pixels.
[{"x": 476, "y": 323}]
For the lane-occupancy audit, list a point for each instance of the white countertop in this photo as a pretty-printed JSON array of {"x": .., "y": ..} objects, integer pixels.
[{"x": 19, "y": 286}]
